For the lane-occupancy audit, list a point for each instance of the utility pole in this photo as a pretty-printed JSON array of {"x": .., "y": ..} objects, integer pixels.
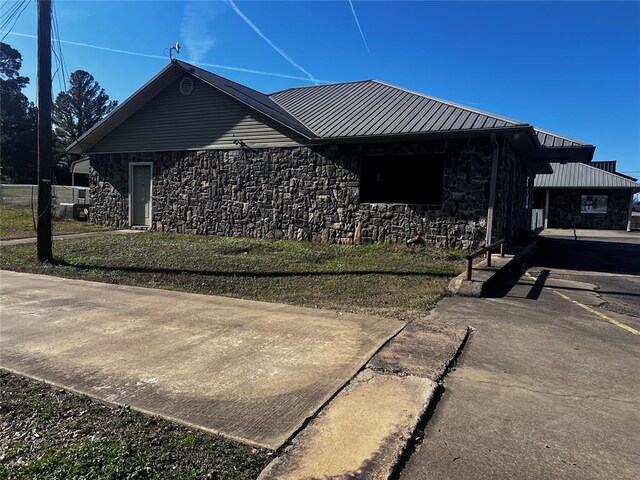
[{"x": 45, "y": 252}]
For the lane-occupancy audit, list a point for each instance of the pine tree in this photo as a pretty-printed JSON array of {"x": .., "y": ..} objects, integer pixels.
[
  {"x": 76, "y": 110},
  {"x": 18, "y": 137}
]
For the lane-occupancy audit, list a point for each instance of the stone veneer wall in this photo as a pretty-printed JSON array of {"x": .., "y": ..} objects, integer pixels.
[
  {"x": 514, "y": 200},
  {"x": 305, "y": 193},
  {"x": 564, "y": 209}
]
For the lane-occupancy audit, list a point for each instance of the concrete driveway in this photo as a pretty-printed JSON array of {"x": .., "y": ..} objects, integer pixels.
[
  {"x": 249, "y": 370},
  {"x": 548, "y": 386}
]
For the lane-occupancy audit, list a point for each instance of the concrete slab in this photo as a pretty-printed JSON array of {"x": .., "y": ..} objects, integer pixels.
[
  {"x": 361, "y": 434},
  {"x": 585, "y": 234},
  {"x": 68, "y": 236},
  {"x": 544, "y": 388},
  {"x": 252, "y": 371},
  {"x": 424, "y": 348}
]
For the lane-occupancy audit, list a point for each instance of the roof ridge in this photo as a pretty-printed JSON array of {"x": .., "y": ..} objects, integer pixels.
[
  {"x": 453, "y": 104},
  {"x": 256, "y": 104},
  {"x": 320, "y": 86},
  {"x": 615, "y": 174},
  {"x": 219, "y": 76},
  {"x": 632, "y": 183}
]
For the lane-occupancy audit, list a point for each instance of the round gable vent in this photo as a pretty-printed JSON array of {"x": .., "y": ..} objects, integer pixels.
[{"x": 186, "y": 86}]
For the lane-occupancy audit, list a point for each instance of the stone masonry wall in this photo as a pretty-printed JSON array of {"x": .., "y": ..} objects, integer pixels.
[
  {"x": 305, "y": 193},
  {"x": 514, "y": 200},
  {"x": 564, "y": 209}
]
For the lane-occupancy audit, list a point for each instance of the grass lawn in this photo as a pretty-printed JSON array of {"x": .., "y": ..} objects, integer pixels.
[
  {"x": 47, "y": 433},
  {"x": 16, "y": 221},
  {"x": 378, "y": 279}
]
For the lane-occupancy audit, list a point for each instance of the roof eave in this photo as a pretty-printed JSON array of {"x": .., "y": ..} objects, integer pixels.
[
  {"x": 77, "y": 147},
  {"x": 306, "y": 132},
  {"x": 420, "y": 135},
  {"x": 587, "y": 187}
]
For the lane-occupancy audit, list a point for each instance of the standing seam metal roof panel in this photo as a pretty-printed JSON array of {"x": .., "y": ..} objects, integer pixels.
[
  {"x": 421, "y": 109},
  {"x": 370, "y": 108},
  {"x": 397, "y": 110},
  {"x": 410, "y": 104},
  {"x": 581, "y": 175},
  {"x": 350, "y": 127},
  {"x": 370, "y": 117},
  {"x": 328, "y": 117}
]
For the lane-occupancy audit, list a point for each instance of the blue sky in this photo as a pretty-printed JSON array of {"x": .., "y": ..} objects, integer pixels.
[{"x": 569, "y": 67}]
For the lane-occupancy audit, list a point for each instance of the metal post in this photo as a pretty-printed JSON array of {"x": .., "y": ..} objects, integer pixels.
[
  {"x": 488, "y": 258},
  {"x": 492, "y": 188},
  {"x": 630, "y": 217},
  {"x": 45, "y": 252},
  {"x": 469, "y": 268},
  {"x": 546, "y": 210},
  {"x": 502, "y": 249}
]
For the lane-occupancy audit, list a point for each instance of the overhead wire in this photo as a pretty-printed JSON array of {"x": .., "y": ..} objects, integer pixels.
[
  {"x": 7, "y": 15},
  {"x": 58, "y": 44},
  {"x": 15, "y": 15}
]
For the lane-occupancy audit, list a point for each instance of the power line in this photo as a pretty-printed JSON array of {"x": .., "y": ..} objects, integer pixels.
[
  {"x": 204, "y": 64},
  {"x": 5, "y": 18},
  {"x": 59, "y": 56},
  {"x": 12, "y": 10},
  {"x": 13, "y": 16}
]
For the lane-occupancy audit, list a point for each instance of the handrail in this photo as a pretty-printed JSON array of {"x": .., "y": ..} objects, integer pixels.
[{"x": 487, "y": 250}]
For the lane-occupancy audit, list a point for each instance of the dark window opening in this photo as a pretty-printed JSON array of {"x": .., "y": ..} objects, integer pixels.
[{"x": 415, "y": 179}]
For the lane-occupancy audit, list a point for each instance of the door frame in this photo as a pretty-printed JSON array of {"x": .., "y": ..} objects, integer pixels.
[{"x": 131, "y": 166}]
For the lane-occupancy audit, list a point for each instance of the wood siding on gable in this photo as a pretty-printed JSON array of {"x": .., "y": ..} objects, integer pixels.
[{"x": 205, "y": 119}]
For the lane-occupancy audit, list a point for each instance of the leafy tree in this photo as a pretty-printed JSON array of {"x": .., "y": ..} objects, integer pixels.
[
  {"x": 18, "y": 137},
  {"x": 76, "y": 110}
]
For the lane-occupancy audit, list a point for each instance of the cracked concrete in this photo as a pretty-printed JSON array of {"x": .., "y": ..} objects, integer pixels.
[
  {"x": 251, "y": 371},
  {"x": 364, "y": 431},
  {"x": 361, "y": 434},
  {"x": 544, "y": 388}
]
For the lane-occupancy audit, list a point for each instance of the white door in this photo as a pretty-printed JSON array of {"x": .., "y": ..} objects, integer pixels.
[{"x": 141, "y": 195}]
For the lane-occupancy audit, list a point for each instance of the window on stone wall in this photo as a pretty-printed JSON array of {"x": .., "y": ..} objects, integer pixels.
[{"x": 414, "y": 179}]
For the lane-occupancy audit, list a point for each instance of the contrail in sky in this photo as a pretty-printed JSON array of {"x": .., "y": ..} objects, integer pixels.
[
  {"x": 195, "y": 27},
  {"x": 359, "y": 27},
  {"x": 271, "y": 44},
  {"x": 160, "y": 57}
]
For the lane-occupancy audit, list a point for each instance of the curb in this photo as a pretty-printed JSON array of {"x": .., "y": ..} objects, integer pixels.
[{"x": 390, "y": 452}]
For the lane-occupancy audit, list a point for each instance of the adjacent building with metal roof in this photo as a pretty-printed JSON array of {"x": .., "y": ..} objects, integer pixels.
[
  {"x": 579, "y": 195},
  {"x": 581, "y": 175}
]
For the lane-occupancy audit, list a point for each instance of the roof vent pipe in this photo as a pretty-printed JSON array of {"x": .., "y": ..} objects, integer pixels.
[{"x": 492, "y": 188}]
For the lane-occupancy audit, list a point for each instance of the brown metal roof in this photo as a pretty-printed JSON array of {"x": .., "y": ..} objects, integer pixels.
[
  {"x": 372, "y": 107},
  {"x": 336, "y": 111}
]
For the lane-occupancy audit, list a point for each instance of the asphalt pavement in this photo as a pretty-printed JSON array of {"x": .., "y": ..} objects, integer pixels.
[{"x": 548, "y": 385}]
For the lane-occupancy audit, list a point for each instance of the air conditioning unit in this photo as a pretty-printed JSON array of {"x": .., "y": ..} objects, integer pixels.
[
  {"x": 80, "y": 211},
  {"x": 65, "y": 210}
]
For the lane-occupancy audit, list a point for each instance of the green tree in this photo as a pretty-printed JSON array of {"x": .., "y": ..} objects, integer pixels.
[
  {"x": 18, "y": 137},
  {"x": 76, "y": 110}
]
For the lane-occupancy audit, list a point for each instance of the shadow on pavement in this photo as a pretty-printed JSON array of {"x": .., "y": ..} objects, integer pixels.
[
  {"x": 536, "y": 290},
  {"x": 578, "y": 254},
  {"x": 587, "y": 255}
]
